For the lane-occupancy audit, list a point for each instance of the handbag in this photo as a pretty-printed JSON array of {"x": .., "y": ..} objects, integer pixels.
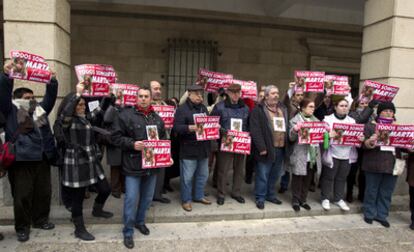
[
  {"x": 399, "y": 167},
  {"x": 8, "y": 152}
]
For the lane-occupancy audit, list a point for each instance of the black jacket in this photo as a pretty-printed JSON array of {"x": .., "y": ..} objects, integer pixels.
[
  {"x": 190, "y": 148},
  {"x": 130, "y": 126},
  {"x": 261, "y": 133}
]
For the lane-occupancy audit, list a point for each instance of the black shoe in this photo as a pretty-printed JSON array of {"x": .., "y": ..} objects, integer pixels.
[
  {"x": 116, "y": 195},
  {"x": 275, "y": 201},
  {"x": 282, "y": 190},
  {"x": 384, "y": 223},
  {"x": 306, "y": 206},
  {"x": 129, "y": 242},
  {"x": 23, "y": 236},
  {"x": 80, "y": 230},
  {"x": 1, "y": 237},
  {"x": 349, "y": 198},
  {"x": 367, "y": 220},
  {"x": 142, "y": 229},
  {"x": 260, "y": 205},
  {"x": 45, "y": 226},
  {"x": 99, "y": 212},
  {"x": 162, "y": 200},
  {"x": 220, "y": 201},
  {"x": 296, "y": 208},
  {"x": 412, "y": 226},
  {"x": 248, "y": 180},
  {"x": 168, "y": 188},
  {"x": 239, "y": 199}
]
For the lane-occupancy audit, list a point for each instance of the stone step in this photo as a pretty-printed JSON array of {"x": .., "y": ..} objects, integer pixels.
[{"x": 231, "y": 210}]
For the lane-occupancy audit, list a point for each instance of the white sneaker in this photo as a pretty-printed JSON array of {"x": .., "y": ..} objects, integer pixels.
[
  {"x": 326, "y": 205},
  {"x": 342, "y": 205}
]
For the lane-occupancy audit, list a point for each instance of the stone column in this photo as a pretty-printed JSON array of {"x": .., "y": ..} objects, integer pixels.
[
  {"x": 41, "y": 27},
  {"x": 388, "y": 54}
]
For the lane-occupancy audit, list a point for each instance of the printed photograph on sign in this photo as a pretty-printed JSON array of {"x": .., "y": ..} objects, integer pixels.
[
  {"x": 227, "y": 143},
  {"x": 149, "y": 157},
  {"x": 152, "y": 132},
  {"x": 200, "y": 133},
  {"x": 19, "y": 68},
  {"x": 383, "y": 137},
  {"x": 279, "y": 124},
  {"x": 236, "y": 124},
  {"x": 304, "y": 134}
]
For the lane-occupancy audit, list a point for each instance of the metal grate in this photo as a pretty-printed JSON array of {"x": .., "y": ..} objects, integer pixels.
[{"x": 185, "y": 58}]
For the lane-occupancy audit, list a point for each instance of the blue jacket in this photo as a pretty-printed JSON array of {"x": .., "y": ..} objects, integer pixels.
[
  {"x": 226, "y": 111},
  {"x": 31, "y": 146}
]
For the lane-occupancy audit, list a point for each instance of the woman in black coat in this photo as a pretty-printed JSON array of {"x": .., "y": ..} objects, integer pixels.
[{"x": 81, "y": 165}]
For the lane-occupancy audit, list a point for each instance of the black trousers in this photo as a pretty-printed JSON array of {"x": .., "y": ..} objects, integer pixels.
[
  {"x": 77, "y": 195},
  {"x": 31, "y": 191},
  {"x": 412, "y": 203},
  {"x": 300, "y": 186}
]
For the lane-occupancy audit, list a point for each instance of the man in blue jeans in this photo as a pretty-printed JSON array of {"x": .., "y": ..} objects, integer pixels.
[
  {"x": 129, "y": 133},
  {"x": 193, "y": 154},
  {"x": 268, "y": 127}
]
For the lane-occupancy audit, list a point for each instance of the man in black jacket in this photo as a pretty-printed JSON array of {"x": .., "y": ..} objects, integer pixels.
[
  {"x": 129, "y": 133},
  {"x": 28, "y": 126},
  {"x": 193, "y": 154},
  {"x": 268, "y": 129}
]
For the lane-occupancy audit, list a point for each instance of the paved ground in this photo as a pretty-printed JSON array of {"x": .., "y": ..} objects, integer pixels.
[{"x": 321, "y": 233}]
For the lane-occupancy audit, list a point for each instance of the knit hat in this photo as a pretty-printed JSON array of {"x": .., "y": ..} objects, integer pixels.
[{"x": 385, "y": 105}]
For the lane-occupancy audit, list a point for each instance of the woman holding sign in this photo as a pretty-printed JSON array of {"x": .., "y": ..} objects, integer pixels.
[
  {"x": 81, "y": 166},
  {"x": 378, "y": 164},
  {"x": 307, "y": 156},
  {"x": 337, "y": 160}
]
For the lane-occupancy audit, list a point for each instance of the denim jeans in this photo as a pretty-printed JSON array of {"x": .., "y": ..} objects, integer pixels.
[
  {"x": 197, "y": 170},
  {"x": 378, "y": 192},
  {"x": 139, "y": 192},
  {"x": 267, "y": 174}
]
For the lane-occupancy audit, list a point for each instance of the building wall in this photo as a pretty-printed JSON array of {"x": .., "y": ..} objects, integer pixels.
[{"x": 135, "y": 46}]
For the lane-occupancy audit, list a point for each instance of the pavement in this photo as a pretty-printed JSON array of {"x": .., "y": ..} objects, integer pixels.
[{"x": 313, "y": 233}]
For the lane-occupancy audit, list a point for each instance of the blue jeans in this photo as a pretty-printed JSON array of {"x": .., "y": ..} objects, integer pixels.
[
  {"x": 137, "y": 188},
  {"x": 378, "y": 192},
  {"x": 196, "y": 170},
  {"x": 267, "y": 174}
]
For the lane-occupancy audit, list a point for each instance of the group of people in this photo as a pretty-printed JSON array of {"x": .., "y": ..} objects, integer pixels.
[{"x": 80, "y": 135}]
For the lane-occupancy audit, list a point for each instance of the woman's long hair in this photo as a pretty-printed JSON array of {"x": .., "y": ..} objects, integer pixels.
[{"x": 65, "y": 102}]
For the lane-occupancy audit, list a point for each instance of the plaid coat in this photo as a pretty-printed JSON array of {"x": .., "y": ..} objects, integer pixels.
[{"x": 81, "y": 165}]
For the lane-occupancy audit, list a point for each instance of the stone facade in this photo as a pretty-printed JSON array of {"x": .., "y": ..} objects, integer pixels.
[{"x": 136, "y": 47}]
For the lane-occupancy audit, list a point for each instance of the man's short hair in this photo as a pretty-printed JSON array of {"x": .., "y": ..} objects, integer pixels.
[
  {"x": 146, "y": 88},
  {"x": 19, "y": 92},
  {"x": 269, "y": 88}
]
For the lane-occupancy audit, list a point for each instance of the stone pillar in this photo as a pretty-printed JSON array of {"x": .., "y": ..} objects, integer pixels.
[
  {"x": 388, "y": 54},
  {"x": 41, "y": 27}
]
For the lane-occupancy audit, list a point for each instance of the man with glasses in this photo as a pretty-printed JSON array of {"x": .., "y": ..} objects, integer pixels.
[
  {"x": 27, "y": 125},
  {"x": 193, "y": 154}
]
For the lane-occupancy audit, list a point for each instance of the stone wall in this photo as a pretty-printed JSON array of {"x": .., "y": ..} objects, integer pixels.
[{"x": 134, "y": 46}]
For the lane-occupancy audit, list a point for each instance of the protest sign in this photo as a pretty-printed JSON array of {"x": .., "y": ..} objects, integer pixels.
[
  {"x": 248, "y": 89},
  {"x": 27, "y": 66},
  {"x": 207, "y": 127},
  {"x": 156, "y": 154},
  {"x": 213, "y": 81},
  {"x": 378, "y": 91},
  {"x": 96, "y": 78},
  {"x": 126, "y": 94},
  {"x": 395, "y": 135},
  {"x": 166, "y": 113},
  {"x": 348, "y": 134},
  {"x": 337, "y": 85},
  {"x": 311, "y": 132},
  {"x": 310, "y": 81},
  {"x": 236, "y": 142}
]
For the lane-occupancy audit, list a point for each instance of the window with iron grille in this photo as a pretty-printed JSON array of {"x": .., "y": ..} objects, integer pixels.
[{"x": 185, "y": 58}]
